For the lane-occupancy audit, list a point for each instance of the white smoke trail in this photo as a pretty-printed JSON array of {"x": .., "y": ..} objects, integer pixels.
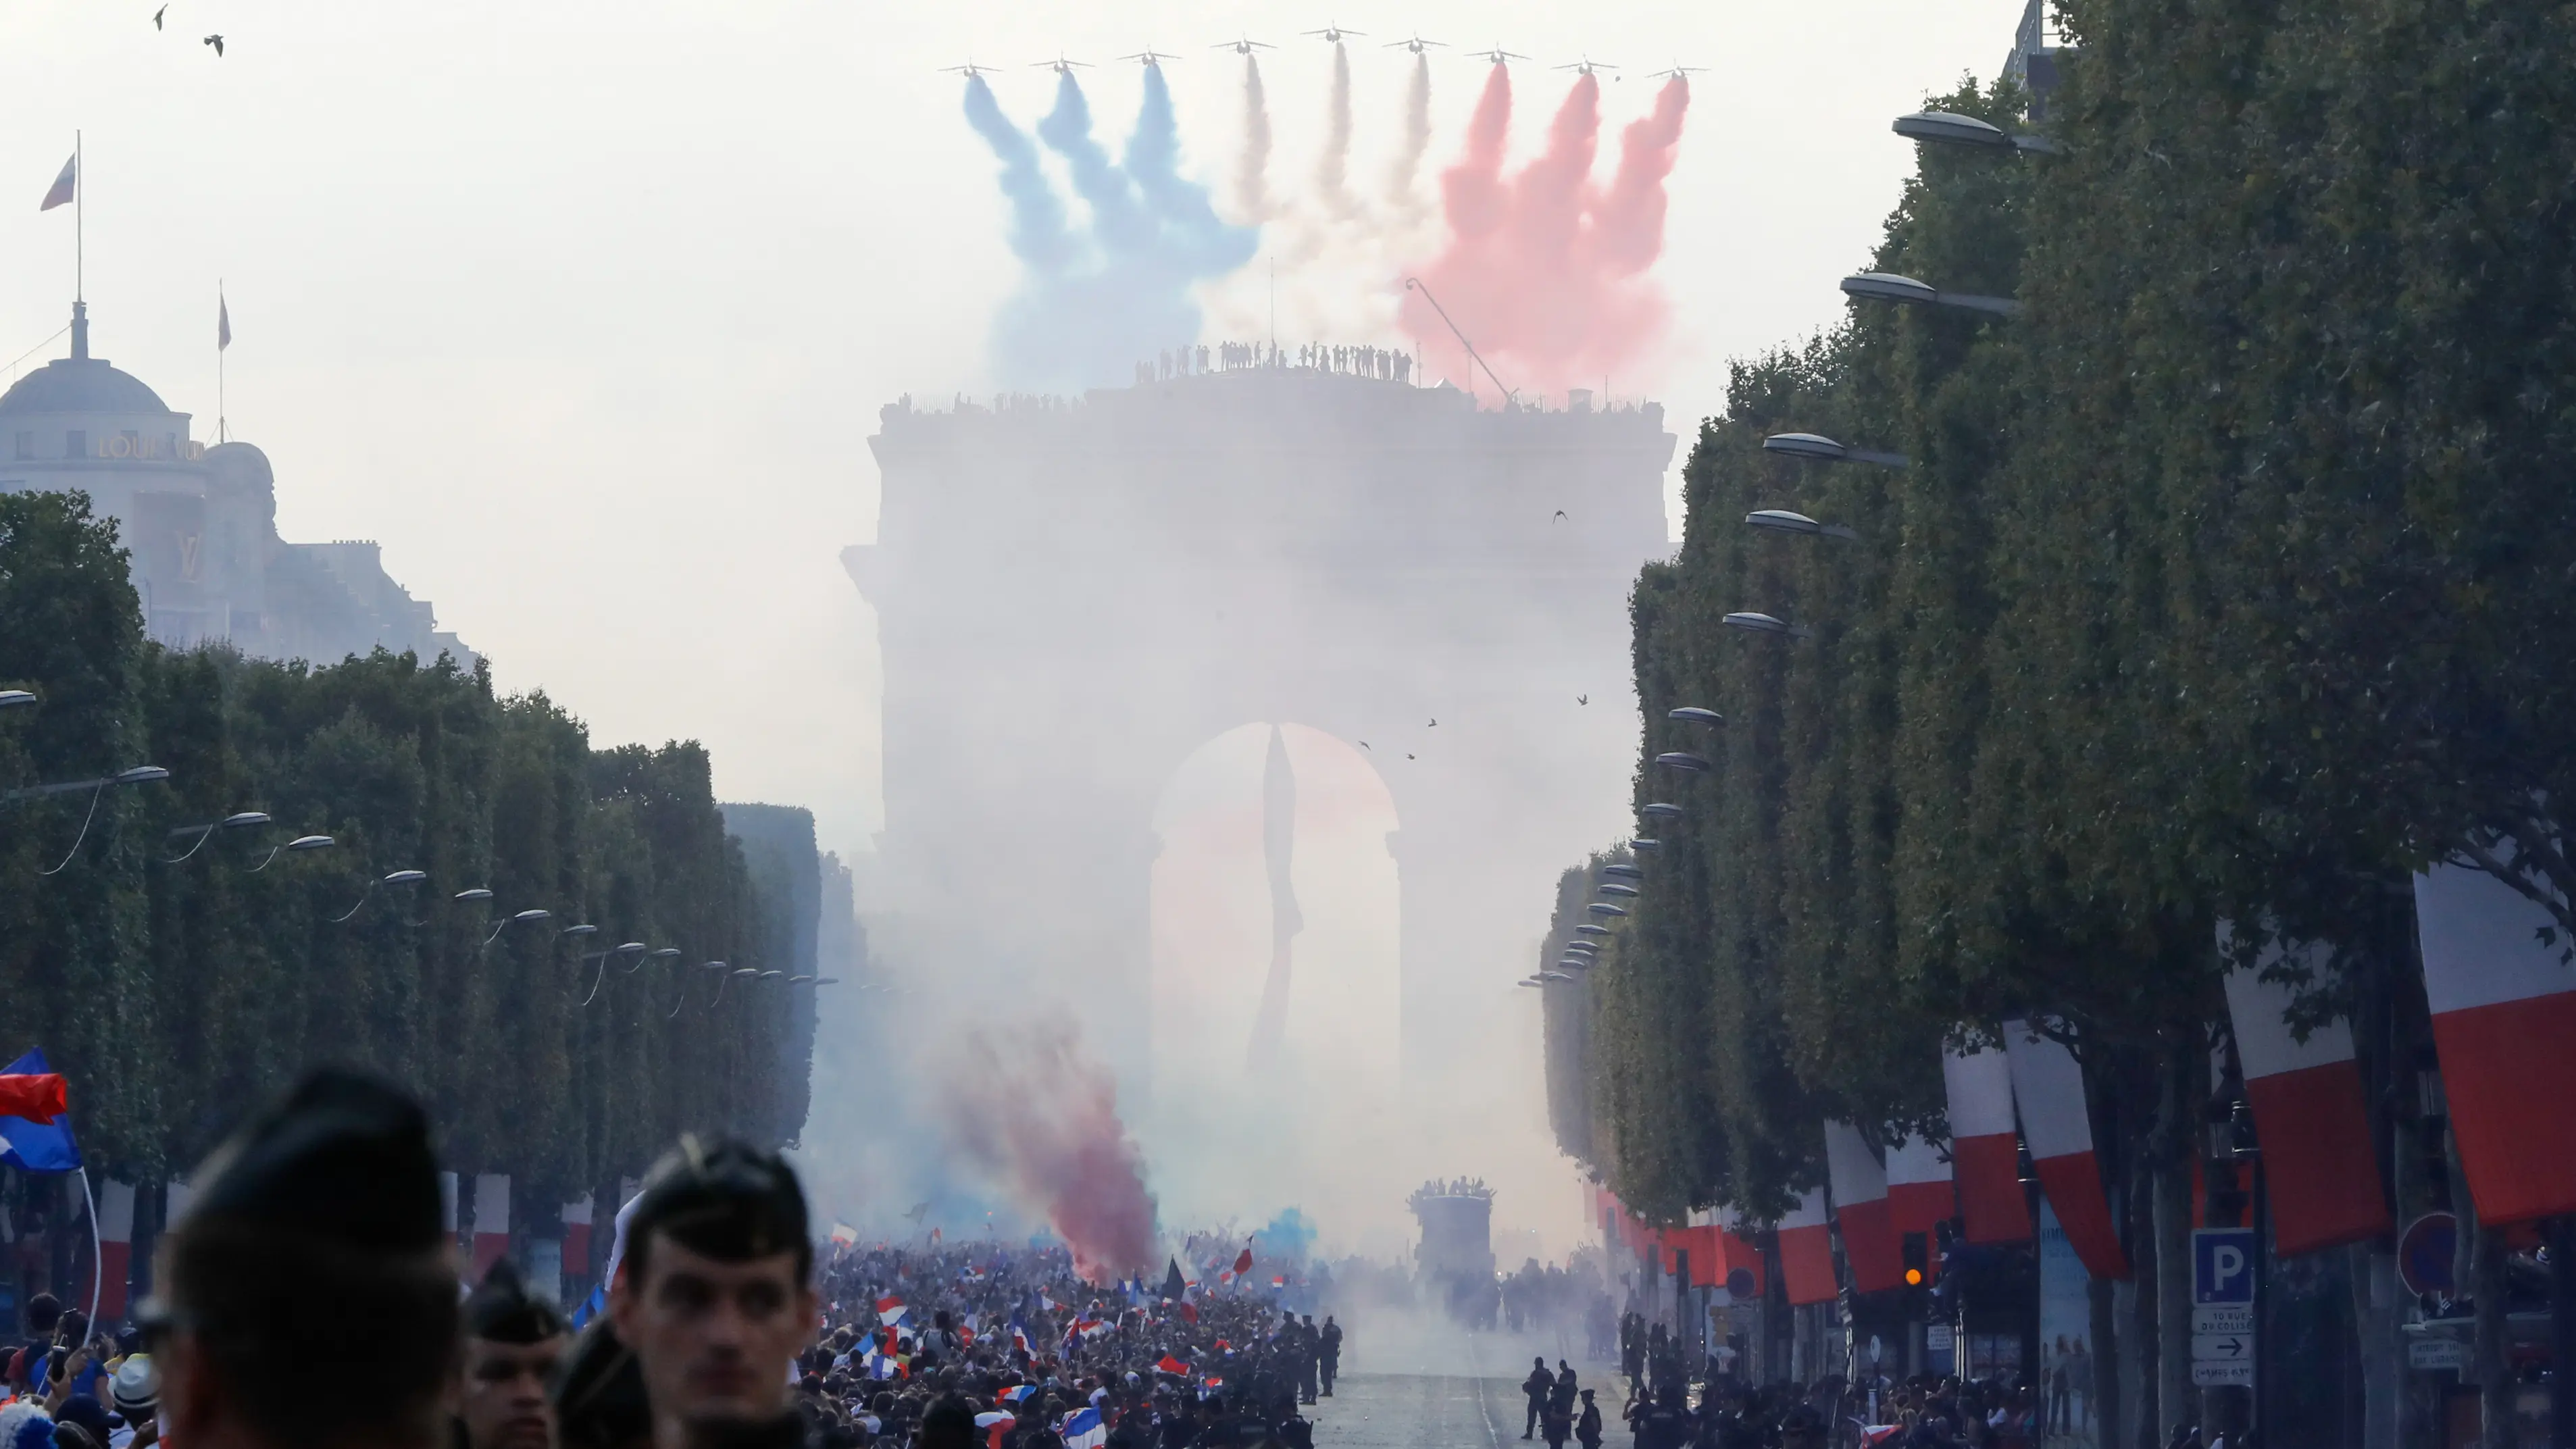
[
  {"x": 1251, "y": 179},
  {"x": 1403, "y": 188},
  {"x": 1332, "y": 176}
]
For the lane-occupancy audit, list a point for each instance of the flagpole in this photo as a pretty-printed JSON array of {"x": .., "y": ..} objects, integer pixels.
[
  {"x": 80, "y": 211},
  {"x": 220, "y": 434}
]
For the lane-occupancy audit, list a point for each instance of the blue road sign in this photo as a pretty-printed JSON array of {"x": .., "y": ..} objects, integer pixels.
[{"x": 2222, "y": 1265}]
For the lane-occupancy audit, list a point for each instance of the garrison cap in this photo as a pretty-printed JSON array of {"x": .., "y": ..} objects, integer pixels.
[
  {"x": 343, "y": 1159},
  {"x": 726, "y": 1199},
  {"x": 502, "y": 1310}
]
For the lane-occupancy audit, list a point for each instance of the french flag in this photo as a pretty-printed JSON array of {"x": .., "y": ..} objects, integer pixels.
[
  {"x": 2321, "y": 1170},
  {"x": 1170, "y": 1365},
  {"x": 1020, "y": 1341},
  {"x": 1017, "y": 1392},
  {"x": 576, "y": 1234},
  {"x": 2048, "y": 1085},
  {"x": 1985, "y": 1153},
  {"x": 1807, "y": 1252},
  {"x": 997, "y": 1427},
  {"x": 1859, "y": 1184},
  {"x": 890, "y": 1310},
  {"x": 2504, "y": 1014},
  {"x": 1083, "y": 1429},
  {"x": 491, "y": 1220},
  {"x": 1919, "y": 1193}
]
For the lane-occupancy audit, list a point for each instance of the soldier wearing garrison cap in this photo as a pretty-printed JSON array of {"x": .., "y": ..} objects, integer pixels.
[
  {"x": 513, "y": 1341},
  {"x": 715, "y": 1297},
  {"x": 307, "y": 1297}
]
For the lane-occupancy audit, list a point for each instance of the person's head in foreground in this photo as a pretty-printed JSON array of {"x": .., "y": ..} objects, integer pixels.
[
  {"x": 715, "y": 1297},
  {"x": 513, "y": 1340},
  {"x": 307, "y": 1297}
]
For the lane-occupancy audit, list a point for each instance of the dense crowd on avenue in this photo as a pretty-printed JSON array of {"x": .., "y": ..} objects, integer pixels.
[{"x": 309, "y": 1298}]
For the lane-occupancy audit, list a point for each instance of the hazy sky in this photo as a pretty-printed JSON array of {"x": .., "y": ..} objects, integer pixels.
[{"x": 584, "y": 310}]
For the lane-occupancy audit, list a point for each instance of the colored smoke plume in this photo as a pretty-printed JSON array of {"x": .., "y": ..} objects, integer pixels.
[
  {"x": 1332, "y": 173},
  {"x": 1545, "y": 272},
  {"x": 1252, "y": 171},
  {"x": 1093, "y": 300},
  {"x": 1038, "y": 1115},
  {"x": 1402, "y": 182}
]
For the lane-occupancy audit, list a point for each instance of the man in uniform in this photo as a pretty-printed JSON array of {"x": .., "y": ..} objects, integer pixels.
[
  {"x": 307, "y": 1296},
  {"x": 1536, "y": 1388},
  {"x": 1331, "y": 1344},
  {"x": 513, "y": 1341},
  {"x": 717, "y": 1297}
]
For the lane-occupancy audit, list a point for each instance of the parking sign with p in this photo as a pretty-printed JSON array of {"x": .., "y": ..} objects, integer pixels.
[{"x": 2222, "y": 1265}]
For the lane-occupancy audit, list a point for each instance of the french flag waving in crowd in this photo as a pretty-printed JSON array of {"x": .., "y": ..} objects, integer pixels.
[
  {"x": 890, "y": 1311},
  {"x": 1083, "y": 1429}
]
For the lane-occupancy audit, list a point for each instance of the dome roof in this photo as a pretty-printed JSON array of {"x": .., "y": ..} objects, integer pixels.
[
  {"x": 80, "y": 385},
  {"x": 241, "y": 463}
]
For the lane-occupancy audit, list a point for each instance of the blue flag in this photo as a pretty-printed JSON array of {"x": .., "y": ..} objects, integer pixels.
[
  {"x": 591, "y": 1307},
  {"x": 37, "y": 1146}
]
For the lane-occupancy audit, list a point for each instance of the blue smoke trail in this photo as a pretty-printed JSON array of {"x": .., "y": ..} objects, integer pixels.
[
  {"x": 1038, "y": 236},
  {"x": 1095, "y": 302}
]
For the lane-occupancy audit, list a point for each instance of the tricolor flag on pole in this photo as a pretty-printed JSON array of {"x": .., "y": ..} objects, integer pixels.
[
  {"x": 845, "y": 1235},
  {"x": 1860, "y": 1207},
  {"x": 223, "y": 322},
  {"x": 1919, "y": 1195},
  {"x": 2504, "y": 1011},
  {"x": 1807, "y": 1252},
  {"x": 65, "y": 186},
  {"x": 890, "y": 1310},
  {"x": 2320, "y": 1169},
  {"x": 1985, "y": 1155},
  {"x": 2048, "y": 1086},
  {"x": 491, "y": 1220}
]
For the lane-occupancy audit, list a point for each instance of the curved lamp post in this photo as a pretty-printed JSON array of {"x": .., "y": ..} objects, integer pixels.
[
  {"x": 138, "y": 775},
  {"x": 300, "y": 845},
  {"x": 1753, "y": 623},
  {"x": 1661, "y": 810},
  {"x": 1693, "y": 714},
  {"x": 1684, "y": 761},
  {"x": 1949, "y": 128},
  {"x": 238, "y": 820},
  {"x": 1589, "y": 929},
  {"x": 530, "y": 917},
  {"x": 1817, "y": 448},
  {"x": 400, "y": 877},
  {"x": 1646, "y": 843},
  {"x": 1781, "y": 520},
  {"x": 1604, "y": 908},
  {"x": 1623, "y": 871},
  {"x": 1906, "y": 291},
  {"x": 13, "y": 698}
]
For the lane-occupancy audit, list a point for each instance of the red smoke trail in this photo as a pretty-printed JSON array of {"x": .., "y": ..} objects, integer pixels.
[
  {"x": 1545, "y": 275},
  {"x": 1041, "y": 1117}
]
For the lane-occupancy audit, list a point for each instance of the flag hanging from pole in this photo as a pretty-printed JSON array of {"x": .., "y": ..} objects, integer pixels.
[
  {"x": 223, "y": 322},
  {"x": 64, "y": 185}
]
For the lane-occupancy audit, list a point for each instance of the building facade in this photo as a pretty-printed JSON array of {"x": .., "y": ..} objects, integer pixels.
[{"x": 199, "y": 522}]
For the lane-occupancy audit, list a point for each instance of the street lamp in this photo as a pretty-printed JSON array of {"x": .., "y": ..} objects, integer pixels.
[
  {"x": 1604, "y": 908},
  {"x": 1589, "y": 929},
  {"x": 138, "y": 775},
  {"x": 1889, "y": 287},
  {"x": 1619, "y": 888},
  {"x": 1684, "y": 761},
  {"x": 1693, "y": 714},
  {"x": 1661, "y": 810},
  {"x": 238, "y": 820},
  {"x": 300, "y": 845},
  {"x": 1646, "y": 843},
  {"x": 400, "y": 877},
  {"x": 1765, "y": 624},
  {"x": 1817, "y": 448},
  {"x": 12, "y": 698},
  {"x": 1781, "y": 520},
  {"x": 1949, "y": 128},
  {"x": 1624, "y": 872},
  {"x": 529, "y": 917}
]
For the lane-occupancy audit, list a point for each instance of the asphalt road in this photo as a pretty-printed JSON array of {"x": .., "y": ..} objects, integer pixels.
[
  {"x": 1418, "y": 1411},
  {"x": 1453, "y": 1398}
]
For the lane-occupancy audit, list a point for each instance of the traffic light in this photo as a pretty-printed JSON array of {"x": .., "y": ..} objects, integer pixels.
[{"x": 1918, "y": 1260}]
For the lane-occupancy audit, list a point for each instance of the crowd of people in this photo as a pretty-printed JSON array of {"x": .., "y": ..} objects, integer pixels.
[{"x": 310, "y": 1299}]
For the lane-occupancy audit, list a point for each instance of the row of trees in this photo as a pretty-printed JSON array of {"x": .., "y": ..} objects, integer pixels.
[
  {"x": 2228, "y": 582},
  {"x": 174, "y": 996}
]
